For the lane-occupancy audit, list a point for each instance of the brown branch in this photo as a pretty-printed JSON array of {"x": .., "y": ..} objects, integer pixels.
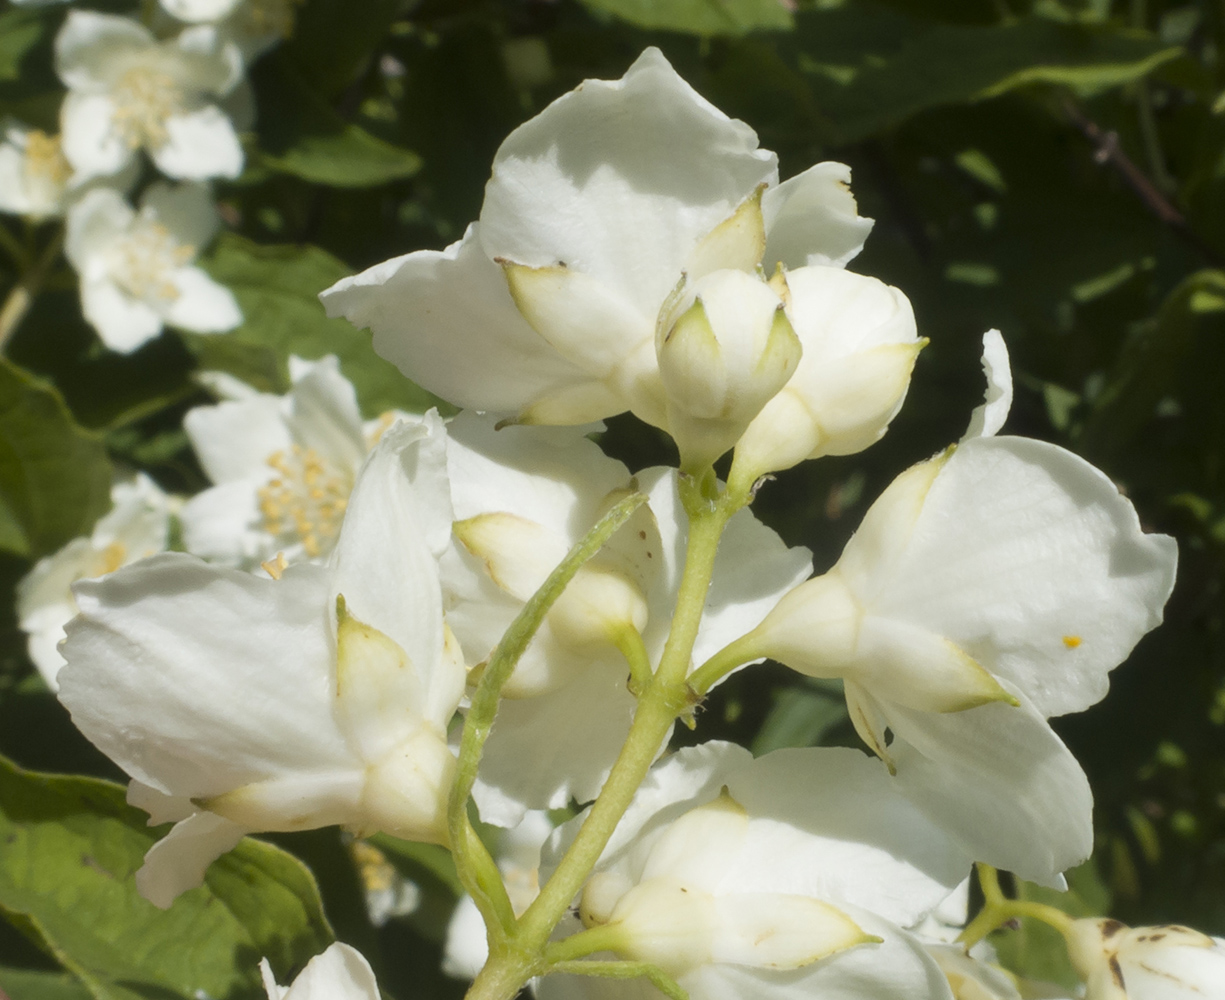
[{"x": 1107, "y": 150}]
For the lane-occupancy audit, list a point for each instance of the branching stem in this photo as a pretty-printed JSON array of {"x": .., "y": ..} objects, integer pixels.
[{"x": 21, "y": 295}]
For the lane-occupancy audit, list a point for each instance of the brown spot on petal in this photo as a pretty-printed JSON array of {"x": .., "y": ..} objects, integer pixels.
[
  {"x": 1116, "y": 973},
  {"x": 1111, "y": 927}
]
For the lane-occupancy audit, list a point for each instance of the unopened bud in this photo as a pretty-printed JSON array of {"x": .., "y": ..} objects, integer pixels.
[{"x": 721, "y": 361}]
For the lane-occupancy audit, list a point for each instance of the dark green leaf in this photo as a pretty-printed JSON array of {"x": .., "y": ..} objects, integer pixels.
[
  {"x": 301, "y": 135},
  {"x": 801, "y": 716},
  {"x": 72, "y": 846},
  {"x": 872, "y": 69},
  {"x": 55, "y": 478},
  {"x": 699, "y": 17},
  {"x": 23, "y": 984},
  {"x": 278, "y": 289},
  {"x": 332, "y": 45}
]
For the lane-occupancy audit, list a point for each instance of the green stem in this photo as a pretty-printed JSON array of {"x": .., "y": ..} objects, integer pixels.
[
  {"x": 14, "y": 247},
  {"x": 477, "y": 870},
  {"x": 629, "y": 641},
  {"x": 731, "y": 656},
  {"x": 21, "y": 295},
  {"x": 665, "y": 698},
  {"x": 998, "y": 910},
  {"x": 607, "y": 937}
]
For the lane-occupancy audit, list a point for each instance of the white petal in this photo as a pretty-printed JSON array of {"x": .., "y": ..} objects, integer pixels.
[
  {"x": 401, "y": 508},
  {"x": 186, "y": 210},
  {"x": 92, "y": 48},
  {"x": 199, "y": 10},
  {"x": 1166, "y": 971},
  {"x": 1001, "y": 782},
  {"x": 201, "y": 304},
  {"x": 812, "y": 218},
  {"x": 323, "y": 412},
  {"x": 222, "y": 525},
  {"x": 162, "y": 808},
  {"x": 1027, "y": 557},
  {"x": 620, "y": 180},
  {"x": 199, "y": 144},
  {"x": 178, "y": 861},
  {"x": 987, "y": 419},
  {"x": 467, "y": 948},
  {"x": 340, "y": 973},
  {"x": 447, "y": 321},
  {"x": 197, "y": 680},
  {"x": 546, "y": 750},
  {"x": 124, "y": 323},
  {"x": 234, "y": 439},
  {"x": 833, "y": 826},
  {"x": 93, "y": 224},
  {"x": 90, "y": 141}
]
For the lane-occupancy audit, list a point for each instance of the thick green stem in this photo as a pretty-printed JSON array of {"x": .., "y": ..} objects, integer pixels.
[
  {"x": 665, "y": 698},
  {"x": 477, "y": 870},
  {"x": 731, "y": 656}
]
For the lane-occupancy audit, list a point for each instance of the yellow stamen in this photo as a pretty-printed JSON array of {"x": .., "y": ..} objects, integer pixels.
[
  {"x": 1071, "y": 641},
  {"x": 275, "y": 567},
  {"x": 144, "y": 99},
  {"x": 44, "y": 159},
  {"x": 306, "y": 501}
]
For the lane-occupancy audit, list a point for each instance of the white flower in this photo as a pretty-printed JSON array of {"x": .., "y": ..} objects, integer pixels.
[
  {"x": 137, "y": 526},
  {"x": 127, "y": 91},
  {"x": 1147, "y": 963},
  {"x": 518, "y": 854},
  {"x": 283, "y": 466},
  {"x": 340, "y": 973},
  {"x": 253, "y": 25},
  {"x": 987, "y": 588},
  {"x": 771, "y": 878},
  {"x": 33, "y": 172},
  {"x": 522, "y": 497},
  {"x": 135, "y": 267},
  {"x": 239, "y": 703},
  {"x": 600, "y": 211}
]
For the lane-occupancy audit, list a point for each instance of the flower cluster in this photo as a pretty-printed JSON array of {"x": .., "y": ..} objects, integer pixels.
[
  {"x": 174, "y": 89},
  {"x": 378, "y": 624}
]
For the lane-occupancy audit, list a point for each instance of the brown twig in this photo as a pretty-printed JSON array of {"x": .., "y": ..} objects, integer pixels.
[{"x": 1107, "y": 150}]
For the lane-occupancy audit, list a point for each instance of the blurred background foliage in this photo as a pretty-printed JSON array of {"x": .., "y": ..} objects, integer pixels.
[{"x": 1053, "y": 168}]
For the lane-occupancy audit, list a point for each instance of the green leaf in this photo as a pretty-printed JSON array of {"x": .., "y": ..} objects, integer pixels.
[
  {"x": 699, "y": 17},
  {"x": 72, "y": 846},
  {"x": 332, "y": 45},
  {"x": 55, "y": 478},
  {"x": 24, "y": 984},
  {"x": 872, "y": 69},
  {"x": 278, "y": 288},
  {"x": 21, "y": 30},
  {"x": 301, "y": 135},
  {"x": 801, "y": 717}
]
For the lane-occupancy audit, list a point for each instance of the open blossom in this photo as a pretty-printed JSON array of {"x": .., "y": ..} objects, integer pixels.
[
  {"x": 136, "y": 267},
  {"x": 240, "y": 703},
  {"x": 283, "y": 466},
  {"x": 339, "y": 973},
  {"x": 522, "y": 497},
  {"x": 785, "y": 876},
  {"x": 128, "y": 91},
  {"x": 988, "y": 588},
  {"x": 254, "y": 25},
  {"x": 137, "y": 526},
  {"x": 1146, "y": 963},
  {"x": 618, "y": 201},
  {"x": 34, "y": 174}
]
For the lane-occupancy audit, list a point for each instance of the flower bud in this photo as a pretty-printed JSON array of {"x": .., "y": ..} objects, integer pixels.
[
  {"x": 721, "y": 361},
  {"x": 1166, "y": 962},
  {"x": 860, "y": 344}
]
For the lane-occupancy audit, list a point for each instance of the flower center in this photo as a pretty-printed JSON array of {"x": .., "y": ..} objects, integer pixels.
[
  {"x": 144, "y": 99},
  {"x": 307, "y": 500},
  {"x": 145, "y": 261},
  {"x": 44, "y": 161}
]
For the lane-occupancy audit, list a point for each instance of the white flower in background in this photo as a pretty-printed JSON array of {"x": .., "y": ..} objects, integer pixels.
[
  {"x": 518, "y": 854},
  {"x": 239, "y": 703},
  {"x": 283, "y": 466},
  {"x": 34, "y": 174},
  {"x": 339, "y": 973},
  {"x": 1146, "y": 963},
  {"x": 136, "y": 267},
  {"x": 602, "y": 212},
  {"x": 128, "y": 91},
  {"x": 522, "y": 497},
  {"x": 988, "y": 588},
  {"x": 388, "y": 893},
  {"x": 253, "y": 25},
  {"x": 137, "y": 526},
  {"x": 782, "y": 877}
]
